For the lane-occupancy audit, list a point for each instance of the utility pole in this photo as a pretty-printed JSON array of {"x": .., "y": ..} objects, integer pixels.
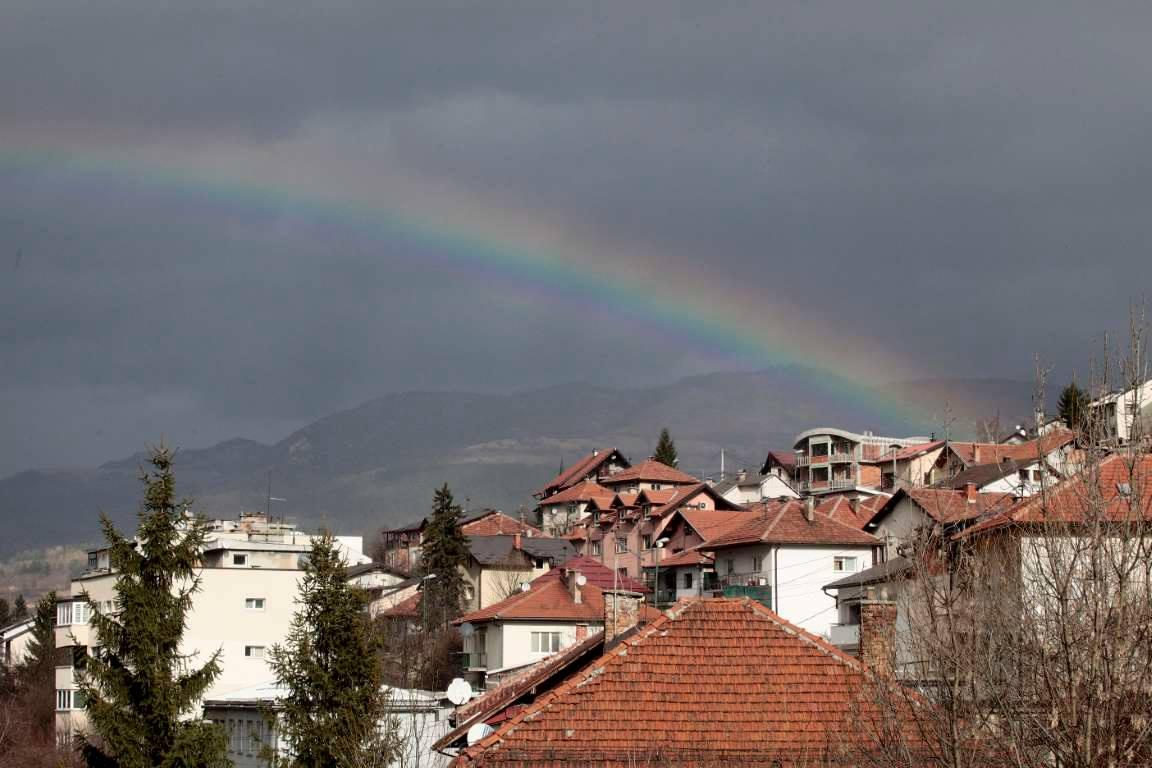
[{"x": 721, "y": 465}]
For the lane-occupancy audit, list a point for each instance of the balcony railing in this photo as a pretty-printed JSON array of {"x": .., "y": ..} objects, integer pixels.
[
  {"x": 822, "y": 486},
  {"x": 476, "y": 660},
  {"x": 845, "y": 635}
]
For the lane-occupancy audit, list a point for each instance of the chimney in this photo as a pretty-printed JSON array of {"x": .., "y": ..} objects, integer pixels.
[
  {"x": 970, "y": 492},
  {"x": 621, "y": 612},
  {"x": 976, "y": 453},
  {"x": 516, "y": 540},
  {"x": 854, "y": 505},
  {"x": 878, "y": 635},
  {"x": 810, "y": 509},
  {"x": 742, "y": 475},
  {"x": 572, "y": 580}
]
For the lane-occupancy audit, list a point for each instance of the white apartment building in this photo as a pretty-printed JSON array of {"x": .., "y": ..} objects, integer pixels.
[
  {"x": 1126, "y": 415},
  {"x": 249, "y": 582}
]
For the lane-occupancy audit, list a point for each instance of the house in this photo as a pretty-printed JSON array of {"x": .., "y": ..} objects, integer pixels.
[
  {"x": 595, "y": 467},
  {"x": 401, "y": 546},
  {"x": 554, "y": 611},
  {"x": 499, "y": 565},
  {"x": 782, "y": 464},
  {"x": 830, "y": 460},
  {"x": 712, "y": 682},
  {"x": 560, "y": 511},
  {"x": 1052, "y": 449},
  {"x": 1123, "y": 417},
  {"x": 649, "y": 475},
  {"x": 14, "y": 641},
  {"x": 249, "y": 718},
  {"x": 783, "y": 556},
  {"x": 744, "y": 488},
  {"x": 909, "y": 466},
  {"x": 249, "y": 581},
  {"x": 912, "y": 512},
  {"x": 683, "y": 570},
  {"x": 853, "y": 593},
  {"x": 1019, "y": 478},
  {"x": 623, "y": 538}
]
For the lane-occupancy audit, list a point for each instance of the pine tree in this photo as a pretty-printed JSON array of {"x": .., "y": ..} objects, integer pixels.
[
  {"x": 1073, "y": 406},
  {"x": 37, "y": 671},
  {"x": 19, "y": 609},
  {"x": 333, "y": 715},
  {"x": 443, "y": 554},
  {"x": 5, "y": 612},
  {"x": 139, "y": 689},
  {"x": 665, "y": 449}
]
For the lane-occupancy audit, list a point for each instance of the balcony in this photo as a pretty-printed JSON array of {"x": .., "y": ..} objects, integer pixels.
[
  {"x": 826, "y": 486},
  {"x": 476, "y": 660},
  {"x": 845, "y": 635}
]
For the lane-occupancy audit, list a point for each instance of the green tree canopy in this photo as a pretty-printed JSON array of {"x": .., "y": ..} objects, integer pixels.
[
  {"x": 5, "y": 612},
  {"x": 333, "y": 715},
  {"x": 443, "y": 554},
  {"x": 1073, "y": 406},
  {"x": 37, "y": 671},
  {"x": 665, "y": 449},
  {"x": 19, "y": 609},
  {"x": 138, "y": 687}
]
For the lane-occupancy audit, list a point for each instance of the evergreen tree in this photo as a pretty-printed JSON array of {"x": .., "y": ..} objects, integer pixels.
[
  {"x": 443, "y": 554},
  {"x": 138, "y": 687},
  {"x": 5, "y": 612},
  {"x": 19, "y": 609},
  {"x": 665, "y": 449},
  {"x": 37, "y": 671},
  {"x": 333, "y": 715},
  {"x": 1073, "y": 406}
]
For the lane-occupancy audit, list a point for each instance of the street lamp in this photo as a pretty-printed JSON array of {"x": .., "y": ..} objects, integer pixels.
[
  {"x": 424, "y": 601},
  {"x": 658, "y": 544}
]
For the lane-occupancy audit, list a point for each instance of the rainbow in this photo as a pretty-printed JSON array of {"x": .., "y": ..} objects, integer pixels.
[{"x": 535, "y": 255}]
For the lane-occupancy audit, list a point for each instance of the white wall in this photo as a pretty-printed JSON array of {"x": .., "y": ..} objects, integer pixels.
[
  {"x": 800, "y": 574},
  {"x": 515, "y": 638}
]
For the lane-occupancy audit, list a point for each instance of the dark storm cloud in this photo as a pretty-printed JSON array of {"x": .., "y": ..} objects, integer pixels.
[{"x": 966, "y": 181}]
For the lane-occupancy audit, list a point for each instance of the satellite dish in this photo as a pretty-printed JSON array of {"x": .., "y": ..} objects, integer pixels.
[
  {"x": 459, "y": 691},
  {"x": 581, "y": 579},
  {"x": 478, "y": 732},
  {"x": 466, "y": 629}
]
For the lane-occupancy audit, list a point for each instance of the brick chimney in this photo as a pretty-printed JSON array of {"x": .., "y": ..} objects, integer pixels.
[
  {"x": 621, "y": 612},
  {"x": 572, "y": 581},
  {"x": 810, "y": 509},
  {"x": 976, "y": 453},
  {"x": 516, "y": 540},
  {"x": 878, "y": 635},
  {"x": 970, "y": 492},
  {"x": 854, "y": 505}
]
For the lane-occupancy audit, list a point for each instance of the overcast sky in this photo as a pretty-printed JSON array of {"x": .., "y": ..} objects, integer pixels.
[{"x": 962, "y": 184}]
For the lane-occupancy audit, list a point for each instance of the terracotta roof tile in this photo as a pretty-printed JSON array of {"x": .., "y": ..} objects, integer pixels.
[
  {"x": 583, "y": 491},
  {"x": 714, "y": 681},
  {"x": 710, "y": 523},
  {"x": 1114, "y": 490},
  {"x": 578, "y": 471},
  {"x": 785, "y": 523},
  {"x": 408, "y": 608},
  {"x": 992, "y": 453},
  {"x": 692, "y": 556},
  {"x": 493, "y": 523},
  {"x": 685, "y": 494},
  {"x": 651, "y": 470},
  {"x": 945, "y": 505},
  {"x": 596, "y": 572}
]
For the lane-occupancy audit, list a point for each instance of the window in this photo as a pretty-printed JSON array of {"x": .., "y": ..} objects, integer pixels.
[
  {"x": 63, "y": 614},
  {"x": 647, "y": 541},
  {"x": 621, "y": 545},
  {"x": 656, "y": 486},
  {"x": 731, "y": 566},
  {"x": 79, "y": 613},
  {"x": 687, "y": 579},
  {"x": 545, "y": 642},
  {"x": 847, "y": 564},
  {"x": 239, "y": 559},
  {"x": 63, "y": 699},
  {"x": 756, "y": 563},
  {"x": 254, "y": 651},
  {"x": 596, "y": 517},
  {"x": 78, "y": 700},
  {"x": 596, "y": 548},
  {"x": 254, "y": 603},
  {"x": 92, "y": 561}
]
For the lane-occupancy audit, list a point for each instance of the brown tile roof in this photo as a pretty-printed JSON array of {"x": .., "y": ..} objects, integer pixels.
[
  {"x": 494, "y": 523},
  {"x": 688, "y": 557},
  {"x": 586, "y": 490},
  {"x": 910, "y": 452},
  {"x": 408, "y": 608},
  {"x": 710, "y": 523},
  {"x": 578, "y": 471},
  {"x": 1116, "y": 489},
  {"x": 992, "y": 453},
  {"x": 945, "y": 505},
  {"x": 712, "y": 682},
  {"x": 596, "y": 572},
  {"x": 840, "y": 509},
  {"x": 651, "y": 470},
  {"x": 686, "y": 493},
  {"x": 785, "y": 523}
]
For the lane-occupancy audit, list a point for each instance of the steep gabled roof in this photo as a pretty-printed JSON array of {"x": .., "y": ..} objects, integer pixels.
[
  {"x": 597, "y": 574},
  {"x": 786, "y": 459},
  {"x": 651, "y": 470},
  {"x": 786, "y": 523},
  {"x": 855, "y": 514},
  {"x": 710, "y": 523},
  {"x": 586, "y": 490},
  {"x": 981, "y": 475},
  {"x": 580, "y": 470},
  {"x": 1117, "y": 489},
  {"x": 497, "y": 550},
  {"x": 712, "y": 682},
  {"x": 686, "y": 493}
]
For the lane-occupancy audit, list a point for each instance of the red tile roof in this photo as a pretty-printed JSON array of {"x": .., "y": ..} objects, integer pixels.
[
  {"x": 1116, "y": 489},
  {"x": 945, "y": 505},
  {"x": 578, "y": 471},
  {"x": 688, "y": 557},
  {"x": 408, "y": 608},
  {"x": 586, "y": 490},
  {"x": 597, "y": 573},
  {"x": 713, "y": 682},
  {"x": 840, "y": 509},
  {"x": 910, "y": 452},
  {"x": 495, "y": 523},
  {"x": 710, "y": 523},
  {"x": 651, "y": 470},
  {"x": 685, "y": 494},
  {"x": 545, "y": 600},
  {"x": 785, "y": 523},
  {"x": 994, "y": 453}
]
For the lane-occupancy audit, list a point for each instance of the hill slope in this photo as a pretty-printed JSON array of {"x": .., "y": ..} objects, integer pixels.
[{"x": 377, "y": 464}]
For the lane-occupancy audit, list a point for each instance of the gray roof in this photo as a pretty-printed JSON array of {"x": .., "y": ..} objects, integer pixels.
[
  {"x": 493, "y": 550},
  {"x": 982, "y": 474},
  {"x": 359, "y": 570},
  {"x": 881, "y": 572}
]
